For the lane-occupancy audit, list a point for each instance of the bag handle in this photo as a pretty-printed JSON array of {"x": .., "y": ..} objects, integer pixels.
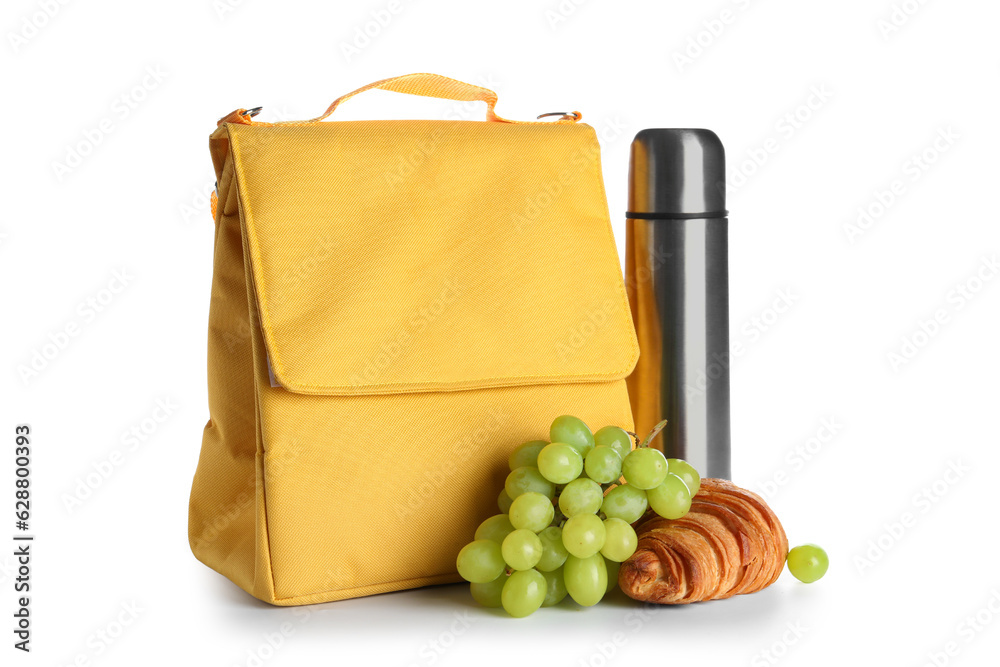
[
  {"x": 435, "y": 85},
  {"x": 423, "y": 84}
]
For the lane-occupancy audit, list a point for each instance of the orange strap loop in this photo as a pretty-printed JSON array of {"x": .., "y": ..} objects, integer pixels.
[
  {"x": 435, "y": 85},
  {"x": 426, "y": 85},
  {"x": 423, "y": 84}
]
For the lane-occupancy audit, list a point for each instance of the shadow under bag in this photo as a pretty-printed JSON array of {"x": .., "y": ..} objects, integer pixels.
[{"x": 395, "y": 306}]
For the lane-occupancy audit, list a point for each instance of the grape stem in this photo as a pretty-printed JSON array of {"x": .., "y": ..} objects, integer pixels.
[{"x": 652, "y": 434}]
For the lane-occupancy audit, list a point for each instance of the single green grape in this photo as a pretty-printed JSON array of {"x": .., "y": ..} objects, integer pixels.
[
  {"x": 559, "y": 463},
  {"x": 521, "y": 549},
  {"x": 523, "y": 593},
  {"x": 495, "y": 528},
  {"x": 527, "y": 478},
  {"x": 586, "y": 579},
  {"x": 553, "y": 551},
  {"x": 581, "y": 496},
  {"x": 488, "y": 594},
  {"x": 644, "y": 468},
  {"x": 603, "y": 464},
  {"x": 481, "y": 561},
  {"x": 685, "y": 471},
  {"x": 504, "y": 501},
  {"x": 573, "y": 432},
  {"x": 583, "y": 535},
  {"x": 625, "y": 502},
  {"x": 526, "y": 454},
  {"x": 614, "y": 437},
  {"x": 531, "y": 511},
  {"x": 613, "y": 569},
  {"x": 808, "y": 563},
  {"x": 620, "y": 540},
  {"x": 671, "y": 499},
  {"x": 555, "y": 587}
]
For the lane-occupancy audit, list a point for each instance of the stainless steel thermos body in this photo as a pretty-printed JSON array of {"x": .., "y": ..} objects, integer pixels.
[{"x": 677, "y": 277}]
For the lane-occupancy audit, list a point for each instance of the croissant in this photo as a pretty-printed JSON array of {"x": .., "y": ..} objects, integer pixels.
[{"x": 729, "y": 543}]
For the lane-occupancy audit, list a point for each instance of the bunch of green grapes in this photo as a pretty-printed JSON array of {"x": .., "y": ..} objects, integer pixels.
[{"x": 567, "y": 510}]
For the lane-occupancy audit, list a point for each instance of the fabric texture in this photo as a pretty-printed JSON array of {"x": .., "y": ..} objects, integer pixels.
[{"x": 395, "y": 306}]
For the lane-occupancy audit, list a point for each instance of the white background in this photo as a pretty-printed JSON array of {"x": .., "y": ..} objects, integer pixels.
[{"x": 895, "y": 594}]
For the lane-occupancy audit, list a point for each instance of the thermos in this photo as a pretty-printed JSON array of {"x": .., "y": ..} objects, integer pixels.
[{"x": 677, "y": 277}]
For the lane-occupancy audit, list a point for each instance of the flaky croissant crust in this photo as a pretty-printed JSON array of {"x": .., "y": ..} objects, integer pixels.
[{"x": 729, "y": 543}]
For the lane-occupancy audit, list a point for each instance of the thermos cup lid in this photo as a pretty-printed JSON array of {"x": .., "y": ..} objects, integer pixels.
[{"x": 677, "y": 173}]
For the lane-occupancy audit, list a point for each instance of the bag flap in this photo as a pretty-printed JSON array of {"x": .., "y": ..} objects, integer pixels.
[{"x": 408, "y": 256}]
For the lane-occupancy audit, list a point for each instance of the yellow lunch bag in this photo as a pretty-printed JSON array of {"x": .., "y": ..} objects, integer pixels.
[{"x": 396, "y": 305}]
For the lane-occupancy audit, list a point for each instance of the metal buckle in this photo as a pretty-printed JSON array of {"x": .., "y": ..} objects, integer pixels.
[
  {"x": 252, "y": 112},
  {"x": 564, "y": 115}
]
